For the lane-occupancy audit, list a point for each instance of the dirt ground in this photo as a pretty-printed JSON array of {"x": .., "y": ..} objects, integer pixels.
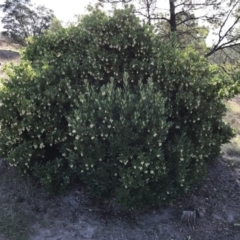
[
  {"x": 27, "y": 212},
  {"x": 30, "y": 213}
]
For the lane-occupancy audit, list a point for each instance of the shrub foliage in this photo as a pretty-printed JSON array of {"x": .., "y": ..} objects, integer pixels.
[
  {"x": 108, "y": 103},
  {"x": 118, "y": 137}
]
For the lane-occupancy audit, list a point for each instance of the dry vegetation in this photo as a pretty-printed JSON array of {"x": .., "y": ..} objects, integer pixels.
[
  {"x": 8, "y": 52},
  {"x": 28, "y": 212},
  {"x": 232, "y": 150}
]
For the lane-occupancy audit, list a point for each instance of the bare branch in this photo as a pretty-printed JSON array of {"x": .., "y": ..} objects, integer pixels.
[{"x": 183, "y": 18}]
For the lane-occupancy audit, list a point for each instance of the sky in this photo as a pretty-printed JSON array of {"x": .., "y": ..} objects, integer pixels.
[{"x": 63, "y": 10}]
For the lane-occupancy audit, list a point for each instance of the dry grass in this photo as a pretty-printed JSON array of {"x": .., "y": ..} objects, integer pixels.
[
  {"x": 8, "y": 45},
  {"x": 231, "y": 151}
]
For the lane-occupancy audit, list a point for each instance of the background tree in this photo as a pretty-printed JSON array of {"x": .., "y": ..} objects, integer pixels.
[
  {"x": 23, "y": 19},
  {"x": 55, "y": 25},
  {"x": 183, "y": 17},
  {"x": 189, "y": 34}
]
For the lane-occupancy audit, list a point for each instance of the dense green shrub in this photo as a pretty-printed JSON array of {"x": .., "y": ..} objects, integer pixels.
[
  {"x": 141, "y": 147},
  {"x": 46, "y": 129},
  {"x": 98, "y": 48},
  {"x": 118, "y": 137},
  {"x": 34, "y": 129},
  {"x": 40, "y": 94}
]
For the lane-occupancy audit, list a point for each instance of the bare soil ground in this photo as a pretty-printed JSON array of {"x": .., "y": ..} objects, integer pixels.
[{"x": 27, "y": 212}]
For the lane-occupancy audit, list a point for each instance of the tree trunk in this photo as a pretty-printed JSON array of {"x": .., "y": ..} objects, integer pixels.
[{"x": 172, "y": 20}]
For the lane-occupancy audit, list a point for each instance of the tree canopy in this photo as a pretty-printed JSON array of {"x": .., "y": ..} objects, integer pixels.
[
  {"x": 23, "y": 19},
  {"x": 186, "y": 19}
]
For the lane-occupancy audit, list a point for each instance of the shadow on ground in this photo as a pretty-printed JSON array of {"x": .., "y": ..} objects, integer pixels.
[{"x": 8, "y": 55}]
